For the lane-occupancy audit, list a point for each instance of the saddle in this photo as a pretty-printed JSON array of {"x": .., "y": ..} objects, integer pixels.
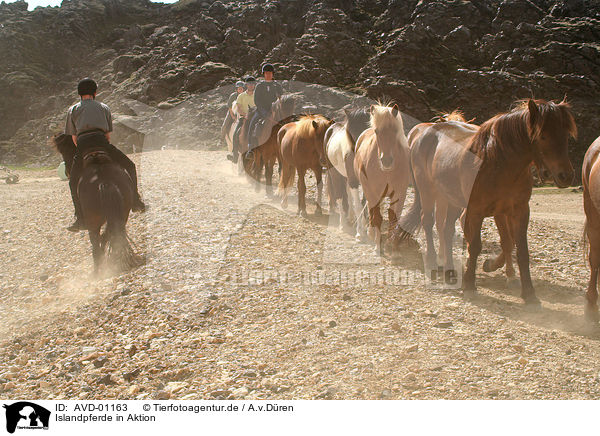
[
  {"x": 262, "y": 128},
  {"x": 97, "y": 156}
]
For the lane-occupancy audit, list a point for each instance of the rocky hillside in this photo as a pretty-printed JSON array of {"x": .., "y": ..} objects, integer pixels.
[{"x": 427, "y": 55}]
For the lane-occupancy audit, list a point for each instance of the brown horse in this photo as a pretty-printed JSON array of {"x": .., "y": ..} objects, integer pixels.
[
  {"x": 301, "y": 145},
  {"x": 456, "y": 132},
  {"x": 266, "y": 154},
  {"x": 591, "y": 203},
  {"x": 491, "y": 176},
  {"x": 106, "y": 194},
  {"x": 381, "y": 163}
]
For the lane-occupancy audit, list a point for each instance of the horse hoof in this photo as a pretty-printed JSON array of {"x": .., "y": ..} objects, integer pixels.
[
  {"x": 532, "y": 303},
  {"x": 513, "y": 283},
  {"x": 487, "y": 265},
  {"x": 591, "y": 314},
  {"x": 469, "y": 293},
  {"x": 302, "y": 213},
  {"x": 284, "y": 204},
  {"x": 318, "y": 212}
]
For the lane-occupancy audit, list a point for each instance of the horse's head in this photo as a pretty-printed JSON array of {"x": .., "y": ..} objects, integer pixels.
[
  {"x": 357, "y": 121},
  {"x": 387, "y": 124},
  {"x": 549, "y": 127},
  {"x": 283, "y": 107},
  {"x": 314, "y": 127}
]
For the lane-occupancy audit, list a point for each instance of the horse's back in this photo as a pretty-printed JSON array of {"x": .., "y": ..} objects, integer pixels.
[{"x": 338, "y": 147}]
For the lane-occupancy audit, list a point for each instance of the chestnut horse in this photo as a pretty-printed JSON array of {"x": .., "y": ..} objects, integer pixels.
[
  {"x": 301, "y": 145},
  {"x": 591, "y": 203},
  {"x": 490, "y": 176},
  {"x": 106, "y": 194},
  {"x": 266, "y": 154},
  {"x": 340, "y": 142},
  {"x": 456, "y": 132},
  {"x": 382, "y": 166}
]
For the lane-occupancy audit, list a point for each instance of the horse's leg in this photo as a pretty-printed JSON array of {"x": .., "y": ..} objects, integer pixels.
[
  {"x": 258, "y": 166},
  {"x": 97, "y": 250},
  {"x": 301, "y": 192},
  {"x": 427, "y": 205},
  {"x": 319, "y": 176},
  {"x": 375, "y": 220},
  {"x": 447, "y": 235},
  {"x": 472, "y": 231},
  {"x": 441, "y": 211},
  {"x": 521, "y": 222},
  {"x": 591, "y": 307},
  {"x": 269, "y": 177},
  {"x": 344, "y": 218},
  {"x": 505, "y": 256},
  {"x": 360, "y": 219}
]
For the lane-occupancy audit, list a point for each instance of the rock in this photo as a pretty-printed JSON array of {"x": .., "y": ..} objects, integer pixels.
[
  {"x": 207, "y": 76},
  {"x": 105, "y": 380},
  {"x": 100, "y": 361},
  {"x": 162, "y": 395},
  {"x": 129, "y": 376},
  {"x": 332, "y": 324},
  {"x": 240, "y": 393},
  {"x": 443, "y": 324},
  {"x": 412, "y": 348}
]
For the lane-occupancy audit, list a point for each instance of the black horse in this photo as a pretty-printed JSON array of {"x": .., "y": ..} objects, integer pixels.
[{"x": 106, "y": 194}]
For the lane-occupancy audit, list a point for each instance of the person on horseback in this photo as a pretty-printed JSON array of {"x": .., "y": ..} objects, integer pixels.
[
  {"x": 244, "y": 103},
  {"x": 89, "y": 123},
  {"x": 240, "y": 87},
  {"x": 266, "y": 92}
]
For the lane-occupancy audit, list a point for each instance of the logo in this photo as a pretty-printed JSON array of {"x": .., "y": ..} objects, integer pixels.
[{"x": 26, "y": 415}]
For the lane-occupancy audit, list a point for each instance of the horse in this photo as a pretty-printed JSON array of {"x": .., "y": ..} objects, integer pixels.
[
  {"x": 267, "y": 153},
  {"x": 381, "y": 164},
  {"x": 301, "y": 148},
  {"x": 457, "y": 119},
  {"x": 340, "y": 140},
  {"x": 487, "y": 172},
  {"x": 242, "y": 140},
  {"x": 106, "y": 194},
  {"x": 591, "y": 204}
]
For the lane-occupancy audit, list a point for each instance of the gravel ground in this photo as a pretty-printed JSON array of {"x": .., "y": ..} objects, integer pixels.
[{"x": 239, "y": 299}]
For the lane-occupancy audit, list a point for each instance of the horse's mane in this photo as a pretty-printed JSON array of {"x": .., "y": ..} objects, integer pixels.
[
  {"x": 506, "y": 132},
  {"x": 356, "y": 121},
  {"x": 304, "y": 124},
  {"x": 455, "y": 115},
  {"x": 63, "y": 143},
  {"x": 381, "y": 117}
]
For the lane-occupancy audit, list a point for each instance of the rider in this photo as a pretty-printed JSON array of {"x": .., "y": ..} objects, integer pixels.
[
  {"x": 239, "y": 88},
  {"x": 244, "y": 103},
  {"x": 89, "y": 123},
  {"x": 267, "y": 92}
]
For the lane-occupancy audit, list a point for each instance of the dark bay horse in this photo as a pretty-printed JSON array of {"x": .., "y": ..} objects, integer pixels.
[
  {"x": 267, "y": 153},
  {"x": 590, "y": 174},
  {"x": 301, "y": 145},
  {"x": 340, "y": 143},
  {"x": 490, "y": 175},
  {"x": 106, "y": 194}
]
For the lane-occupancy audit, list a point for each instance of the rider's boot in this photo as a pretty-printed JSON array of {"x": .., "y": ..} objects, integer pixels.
[{"x": 78, "y": 225}]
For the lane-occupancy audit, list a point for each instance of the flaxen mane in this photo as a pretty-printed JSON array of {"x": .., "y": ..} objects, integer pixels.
[
  {"x": 304, "y": 125},
  {"x": 505, "y": 133},
  {"x": 382, "y": 118},
  {"x": 455, "y": 115}
]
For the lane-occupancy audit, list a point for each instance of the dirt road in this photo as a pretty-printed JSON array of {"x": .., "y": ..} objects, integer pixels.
[{"x": 239, "y": 299}]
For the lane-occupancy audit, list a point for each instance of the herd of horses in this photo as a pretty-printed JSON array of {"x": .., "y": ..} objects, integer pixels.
[{"x": 459, "y": 171}]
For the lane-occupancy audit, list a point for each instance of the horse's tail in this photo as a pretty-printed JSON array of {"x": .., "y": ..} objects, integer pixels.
[
  {"x": 410, "y": 223},
  {"x": 286, "y": 179},
  {"x": 118, "y": 245}
]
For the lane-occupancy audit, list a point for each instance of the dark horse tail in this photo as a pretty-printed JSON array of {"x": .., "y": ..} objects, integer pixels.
[
  {"x": 410, "y": 223},
  {"x": 118, "y": 245}
]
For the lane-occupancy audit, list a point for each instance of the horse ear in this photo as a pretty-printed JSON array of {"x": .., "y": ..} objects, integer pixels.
[
  {"x": 372, "y": 109},
  {"x": 395, "y": 111},
  {"x": 534, "y": 113},
  {"x": 347, "y": 111},
  {"x": 315, "y": 125}
]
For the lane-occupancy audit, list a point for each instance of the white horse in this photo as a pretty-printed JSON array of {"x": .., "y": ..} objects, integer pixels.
[{"x": 340, "y": 140}]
